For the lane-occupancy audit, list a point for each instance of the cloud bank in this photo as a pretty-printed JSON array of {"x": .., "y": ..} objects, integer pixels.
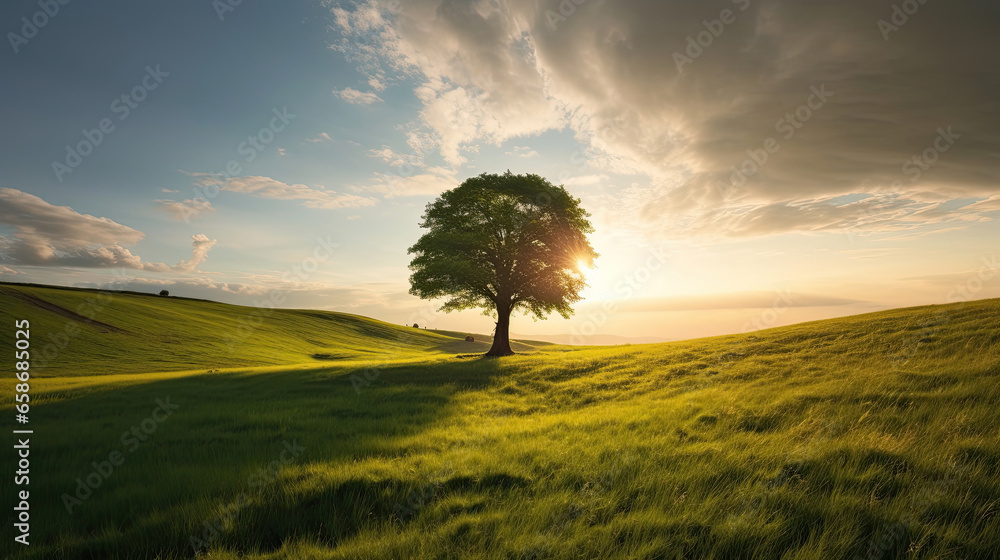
[
  {"x": 748, "y": 117},
  {"x": 58, "y": 236}
]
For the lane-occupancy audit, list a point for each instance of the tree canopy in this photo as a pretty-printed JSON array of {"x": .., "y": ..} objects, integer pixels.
[{"x": 503, "y": 243}]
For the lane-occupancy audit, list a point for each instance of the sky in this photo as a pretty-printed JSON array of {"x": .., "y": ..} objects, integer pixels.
[{"x": 747, "y": 163}]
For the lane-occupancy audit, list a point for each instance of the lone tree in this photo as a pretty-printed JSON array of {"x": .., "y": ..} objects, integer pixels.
[
  {"x": 164, "y": 293},
  {"x": 503, "y": 243}
]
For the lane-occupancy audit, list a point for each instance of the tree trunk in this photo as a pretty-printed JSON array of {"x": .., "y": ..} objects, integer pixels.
[{"x": 501, "y": 338}]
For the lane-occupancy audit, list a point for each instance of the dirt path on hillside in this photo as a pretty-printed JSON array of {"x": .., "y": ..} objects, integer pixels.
[{"x": 38, "y": 302}]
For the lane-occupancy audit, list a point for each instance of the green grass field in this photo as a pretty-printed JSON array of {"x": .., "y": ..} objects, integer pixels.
[{"x": 873, "y": 436}]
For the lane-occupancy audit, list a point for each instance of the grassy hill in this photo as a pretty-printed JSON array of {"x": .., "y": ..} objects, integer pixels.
[
  {"x": 872, "y": 436},
  {"x": 88, "y": 332}
]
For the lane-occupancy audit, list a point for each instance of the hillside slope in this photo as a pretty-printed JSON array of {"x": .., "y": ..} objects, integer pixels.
[
  {"x": 85, "y": 332},
  {"x": 870, "y": 437}
]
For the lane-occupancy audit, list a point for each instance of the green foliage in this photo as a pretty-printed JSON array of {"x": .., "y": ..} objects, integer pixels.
[{"x": 503, "y": 243}]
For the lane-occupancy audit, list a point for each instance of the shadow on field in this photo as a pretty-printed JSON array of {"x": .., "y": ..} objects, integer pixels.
[
  {"x": 209, "y": 473},
  {"x": 483, "y": 344},
  {"x": 335, "y": 512}
]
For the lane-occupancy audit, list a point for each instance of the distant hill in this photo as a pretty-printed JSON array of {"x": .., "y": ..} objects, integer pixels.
[
  {"x": 86, "y": 331},
  {"x": 592, "y": 340}
]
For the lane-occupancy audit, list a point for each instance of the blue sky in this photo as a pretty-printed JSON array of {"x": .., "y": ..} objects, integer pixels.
[{"x": 388, "y": 104}]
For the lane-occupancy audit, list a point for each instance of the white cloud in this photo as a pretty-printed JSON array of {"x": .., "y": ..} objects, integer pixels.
[
  {"x": 356, "y": 97},
  {"x": 169, "y": 191},
  {"x": 321, "y": 137},
  {"x": 48, "y": 235},
  {"x": 364, "y": 41},
  {"x": 201, "y": 244},
  {"x": 473, "y": 90},
  {"x": 397, "y": 159},
  {"x": 186, "y": 210},
  {"x": 282, "y": 151},
  {"x": 266, "y": 187},
  {"x": 522, "y": 151},
  {"x": 430, "y": 183}
]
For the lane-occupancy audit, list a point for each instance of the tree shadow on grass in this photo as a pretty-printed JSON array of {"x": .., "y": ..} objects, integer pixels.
[
  {"x": 224, "y": 444},
  {"x": 332, "y": 513},
  {"x": 483, "y": 345}
]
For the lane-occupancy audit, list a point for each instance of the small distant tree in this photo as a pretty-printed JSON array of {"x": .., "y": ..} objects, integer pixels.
[
  {"x": 164, "y": 293},
  {"x": 416, "y": 326},
  {"x": 503, "y": 243}
]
